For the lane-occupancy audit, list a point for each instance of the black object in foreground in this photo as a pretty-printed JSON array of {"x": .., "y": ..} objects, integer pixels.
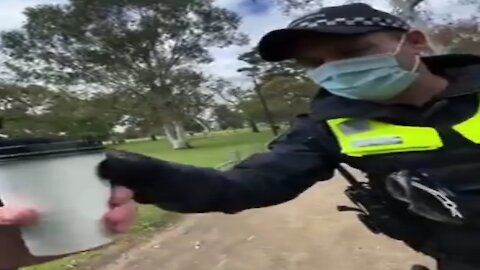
[
  {"x": 419, "y": 267},
  {"x": 29, "y": 148}
]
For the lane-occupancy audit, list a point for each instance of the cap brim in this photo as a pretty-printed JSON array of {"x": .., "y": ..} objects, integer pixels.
[{"x": 278, "y": 45}]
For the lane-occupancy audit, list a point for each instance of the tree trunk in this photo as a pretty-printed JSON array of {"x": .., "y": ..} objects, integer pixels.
[
  {"x": 178, "y": 145},
  {"x": 266, "y": 110},
  {"x": 206, "y": 128},
  {"x": 253, "y": 125},
  {"x": 176, "y": 135}
]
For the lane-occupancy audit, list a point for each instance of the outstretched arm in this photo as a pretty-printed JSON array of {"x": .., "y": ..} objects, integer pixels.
[{"x": 295, "y": 162}]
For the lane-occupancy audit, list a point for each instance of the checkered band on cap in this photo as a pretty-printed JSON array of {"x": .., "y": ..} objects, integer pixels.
[{"x": 320, "y": 20}]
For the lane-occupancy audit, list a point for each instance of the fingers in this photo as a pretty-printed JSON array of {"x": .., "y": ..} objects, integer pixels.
[
  {"x": 123, "y": 212},
  {"x": 122, "y": 217},
  {"x": 17, "y": 216},
  {"x": 120, "y": 196}
]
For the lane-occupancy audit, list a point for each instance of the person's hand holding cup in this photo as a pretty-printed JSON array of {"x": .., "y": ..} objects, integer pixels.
[
  {"x": 53, "y": 204},
  {"x": 15, "y": 254},
  {"x": 17, "y": 216}
]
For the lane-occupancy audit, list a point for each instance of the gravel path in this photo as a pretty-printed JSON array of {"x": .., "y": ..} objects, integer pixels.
[{"x": 304, "y": 234}]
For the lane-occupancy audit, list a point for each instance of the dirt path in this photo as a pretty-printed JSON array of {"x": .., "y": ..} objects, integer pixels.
[{"x": 305, "y": 234}]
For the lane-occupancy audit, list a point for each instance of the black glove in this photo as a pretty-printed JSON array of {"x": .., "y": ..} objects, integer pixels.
[
  {"x": 173, "y": 187},
  {"x": 139, "y": 173}
]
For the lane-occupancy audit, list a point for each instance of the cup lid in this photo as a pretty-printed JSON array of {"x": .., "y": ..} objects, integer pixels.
[{"x": 14, "y": 149}]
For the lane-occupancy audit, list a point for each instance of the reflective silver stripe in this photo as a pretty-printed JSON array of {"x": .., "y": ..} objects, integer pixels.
[
  {"x": 377, "y": 142},
  {"x": 442, "y": 197}
]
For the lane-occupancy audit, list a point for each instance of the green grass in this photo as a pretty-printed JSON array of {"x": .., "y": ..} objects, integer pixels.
[{"x": 207, "y": 152}]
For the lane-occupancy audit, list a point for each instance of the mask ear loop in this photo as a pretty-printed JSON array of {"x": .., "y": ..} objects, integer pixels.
[
  {"x": 416, "y": 65},
  {"x": 400, "y": 45}
]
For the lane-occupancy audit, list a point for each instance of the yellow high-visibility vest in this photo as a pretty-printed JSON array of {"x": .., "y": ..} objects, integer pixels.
[{"x": 364, "y": 137}]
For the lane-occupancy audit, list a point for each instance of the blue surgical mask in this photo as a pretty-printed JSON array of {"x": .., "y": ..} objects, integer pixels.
[{"x": 372, "y": 78}]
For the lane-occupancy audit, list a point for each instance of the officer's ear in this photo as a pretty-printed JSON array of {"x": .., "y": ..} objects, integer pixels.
[{"x": 418, "y": 42}]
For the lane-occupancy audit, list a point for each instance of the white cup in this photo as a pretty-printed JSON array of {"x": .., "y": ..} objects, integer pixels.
[{"x": 59, "y": 181}]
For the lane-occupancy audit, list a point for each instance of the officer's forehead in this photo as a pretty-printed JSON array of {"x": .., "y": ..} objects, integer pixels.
[
  {"x": 344, "y": 41},
  {"x": 313, "y": 51}
]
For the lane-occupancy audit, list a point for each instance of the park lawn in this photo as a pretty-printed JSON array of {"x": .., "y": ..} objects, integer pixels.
[{"x": 207, "y": 152}]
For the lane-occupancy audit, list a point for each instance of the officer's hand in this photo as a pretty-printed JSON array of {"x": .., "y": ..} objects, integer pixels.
[
  {"x": 136, "y": 172},
  {"x": 123, "y": 210}
]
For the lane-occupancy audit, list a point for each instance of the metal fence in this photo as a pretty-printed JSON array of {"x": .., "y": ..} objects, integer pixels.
[{"x": 234, "y": 159}]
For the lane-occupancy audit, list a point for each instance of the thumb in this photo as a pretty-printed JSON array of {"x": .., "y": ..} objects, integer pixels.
[{"x": 17, "y": 216}]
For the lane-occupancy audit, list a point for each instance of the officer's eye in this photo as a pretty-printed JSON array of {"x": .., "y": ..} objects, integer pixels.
[
  {"x": 353, "y": 51},
  {"x": 310, "y": 63}
]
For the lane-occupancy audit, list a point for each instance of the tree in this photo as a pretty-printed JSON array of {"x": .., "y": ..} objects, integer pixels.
[
  {"x": 260, "y": 71},
  {"x": 462, "y": 37},
  {"x": 21, "y": 109},
  {"x": 287, "y": 97},
  {"x": 135, "y": 47},
  {"x": 403, "y": 7},
  {"x": 234, "y": 96},
  {"x": 38, "y": 111},
  {"x": 227, "y": 118},
  {"x": 77, "y": 118}
]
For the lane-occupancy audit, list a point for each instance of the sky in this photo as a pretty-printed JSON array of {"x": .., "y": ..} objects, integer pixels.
[{"x": 258, "y": 17}]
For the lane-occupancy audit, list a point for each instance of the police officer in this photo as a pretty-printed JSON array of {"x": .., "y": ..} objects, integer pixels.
[{"x": 411, "y": 123}]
